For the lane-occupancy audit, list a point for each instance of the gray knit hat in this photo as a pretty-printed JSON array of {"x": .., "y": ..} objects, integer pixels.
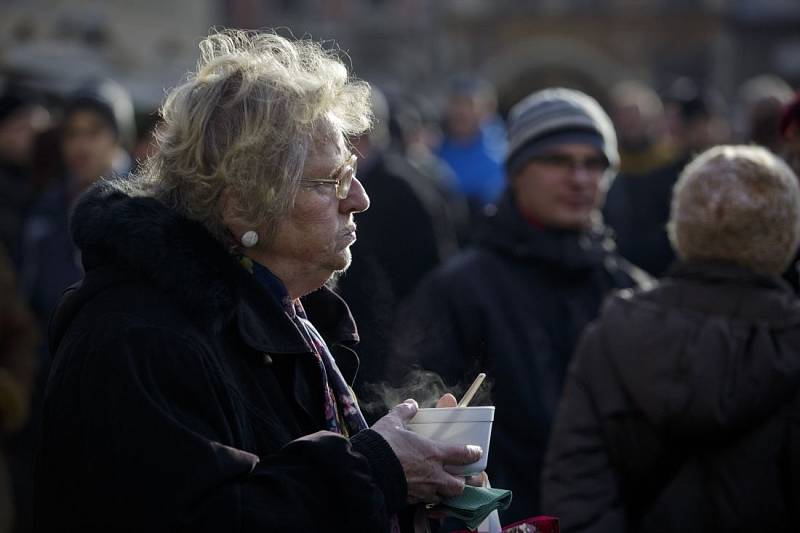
[
  {"x": 557, "y": 116},
  {"x": 739, "y": 204}
]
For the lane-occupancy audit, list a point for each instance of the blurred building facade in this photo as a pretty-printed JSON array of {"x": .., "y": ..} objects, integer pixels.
[
  {"x": 522, "y": 46},
  {"x": 147, "y": 45},
  {"x": 415, "y": 44}
]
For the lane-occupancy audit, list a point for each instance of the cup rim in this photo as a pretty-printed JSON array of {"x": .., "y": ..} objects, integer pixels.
[{"x": 449, "y": 415}]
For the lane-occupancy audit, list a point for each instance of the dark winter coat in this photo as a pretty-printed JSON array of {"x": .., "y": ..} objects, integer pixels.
[
  {"x": 19, "y": 337},
  {"x": 16, "y": 195},
  {"x": 513, "y": 307},
  {"x": 182, "y": 397},
  {"x": 637, "y": 210},
  {"x": 50, "y": 262},
  {"x": 400, "y": 239},
  {"x": 681, "y": 411}
]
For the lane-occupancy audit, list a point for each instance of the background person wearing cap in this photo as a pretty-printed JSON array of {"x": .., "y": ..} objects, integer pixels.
[
  {"x": 681, "y": 411},
  {"x": 95, "y": 131},
  {"x": 474, "y": 141},
  {"x": 637, "y": 205},
  {"x": 97, "y": 127},
  {"x": 21, "y": 120},
  {"x": 514, "y": 304},
  {"x": 390, "y": 257}
]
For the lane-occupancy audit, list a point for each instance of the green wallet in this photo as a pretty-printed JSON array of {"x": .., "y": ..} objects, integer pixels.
[{"x": 475, "y": 504}]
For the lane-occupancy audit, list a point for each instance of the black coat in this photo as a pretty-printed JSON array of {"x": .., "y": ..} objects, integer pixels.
[
  {"x": 16, "y": 195},
  {"x": 513, "y": 307},
  {"x": 681, "y": 411},
  {"x": 182, "y": 398},
  {"x": 402, "y": 237},
  {"x": 637, "y": 210},
  {"x": 50, "y": 262}
]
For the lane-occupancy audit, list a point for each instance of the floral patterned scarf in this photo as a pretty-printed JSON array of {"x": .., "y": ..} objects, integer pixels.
[{"x": 342, "y": 414}]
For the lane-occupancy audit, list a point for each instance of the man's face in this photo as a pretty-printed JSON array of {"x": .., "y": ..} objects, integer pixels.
[
  {"x": 464, "y": 117},
  {"x": 318, "y": 231},
  {"x": 18, "y": 133},
  {"x": 631, "y": 125},
  {"x": 561, "y": 188},
  {"x": 89, "y": 145}
]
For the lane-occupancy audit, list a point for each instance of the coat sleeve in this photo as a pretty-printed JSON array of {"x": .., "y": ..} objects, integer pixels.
[
  {"x": 158, "y": 426},
  {"x": 578, "y": 482}
]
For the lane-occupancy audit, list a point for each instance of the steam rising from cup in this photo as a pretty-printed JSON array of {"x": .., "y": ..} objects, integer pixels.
[{"x": 424, "y": 386}]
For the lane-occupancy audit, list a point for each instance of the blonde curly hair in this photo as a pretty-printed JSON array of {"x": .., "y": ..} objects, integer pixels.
[
  {"x": 244, "y": 121},
  {"x": 739, "y": 204}
]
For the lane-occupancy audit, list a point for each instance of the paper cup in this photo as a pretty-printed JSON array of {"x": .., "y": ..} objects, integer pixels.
[{"x": 457, "y": 425}]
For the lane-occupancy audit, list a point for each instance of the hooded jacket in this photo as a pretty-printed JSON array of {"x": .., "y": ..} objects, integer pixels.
[
  {"x": 681, "y": 410},
  {"x": 513, "y": 306},
  {"x": 183, "y": 398}
]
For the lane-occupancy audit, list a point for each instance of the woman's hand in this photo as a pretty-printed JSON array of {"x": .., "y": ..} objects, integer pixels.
[
  {"x": 423, "y": 459},
  {"x": 480, "y": 479}
]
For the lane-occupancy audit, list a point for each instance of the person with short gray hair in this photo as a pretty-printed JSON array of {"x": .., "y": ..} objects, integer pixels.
[
  {"x": 737, "y": 204},
  {"x": 202, "y": 369},
  {"x": 681, "y": 411}
]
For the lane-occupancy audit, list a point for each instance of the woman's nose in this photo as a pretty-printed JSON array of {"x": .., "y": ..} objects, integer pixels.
[{"x": 357, "y": 199}]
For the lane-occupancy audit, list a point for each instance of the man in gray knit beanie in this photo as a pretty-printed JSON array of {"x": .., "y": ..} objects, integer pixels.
[
  {"x": 515, "y": 304},
  {"x": 562, "y": 145},
  {"x": 555, "y": 116}
]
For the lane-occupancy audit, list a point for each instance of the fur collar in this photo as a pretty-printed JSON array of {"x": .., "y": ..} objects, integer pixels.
[{"x": 146, "y": 238}]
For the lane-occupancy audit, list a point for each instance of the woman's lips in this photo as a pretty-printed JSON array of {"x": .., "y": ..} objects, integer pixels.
[{"x": 349, "y": 238}]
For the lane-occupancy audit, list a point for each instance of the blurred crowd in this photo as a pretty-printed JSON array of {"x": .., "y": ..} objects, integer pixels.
[
  {"x": 444, "y": 245},
  {"x": 51, "y": 149}
]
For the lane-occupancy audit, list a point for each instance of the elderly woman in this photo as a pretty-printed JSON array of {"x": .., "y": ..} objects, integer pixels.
[
  {"x": 202, "y": 371},
  {"x": 682, "y": 411}
]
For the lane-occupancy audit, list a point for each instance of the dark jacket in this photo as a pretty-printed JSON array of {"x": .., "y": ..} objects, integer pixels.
[
  {"x": 637, "y": 210},
  {"x": 182, "y": 397},
  {"x": 513, "y": 307},
  {"x": 681, "y": 411},
  {"x": 19, "y": 338},
  {"x": 400, "y": 239},
  {"x": 50, "y": 262},
  {"x": 16, "y": 195}
]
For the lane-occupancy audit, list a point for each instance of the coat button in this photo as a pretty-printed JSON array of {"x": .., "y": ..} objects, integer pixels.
[{"x": 267, "y": 359}]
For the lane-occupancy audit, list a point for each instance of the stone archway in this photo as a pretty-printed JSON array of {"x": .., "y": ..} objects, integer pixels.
[{"x": 551, "y": 61}]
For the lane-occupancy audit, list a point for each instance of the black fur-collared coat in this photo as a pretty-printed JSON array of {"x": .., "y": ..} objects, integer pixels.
[{"x": 182, "y": 398}]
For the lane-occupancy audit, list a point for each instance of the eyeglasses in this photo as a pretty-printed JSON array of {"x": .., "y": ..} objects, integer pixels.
[
  {"x": 565, "y": 163},
  {"x": 342, "y": 177}
]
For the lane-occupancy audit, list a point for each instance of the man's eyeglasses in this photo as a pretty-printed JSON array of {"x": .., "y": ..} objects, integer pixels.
[
  {"x": 341, "y": 178},
  {"x": 564, "y": 162}
]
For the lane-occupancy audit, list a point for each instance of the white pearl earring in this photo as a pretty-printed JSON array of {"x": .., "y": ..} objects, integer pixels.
[{"x": 249, "y": 239}]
